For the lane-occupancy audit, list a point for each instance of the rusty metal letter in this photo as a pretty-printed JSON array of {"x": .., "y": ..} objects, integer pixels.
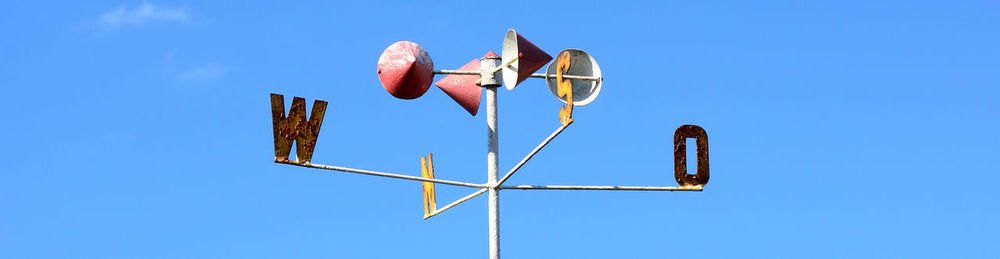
[
  {"x": 295, "y": 127},
  {"x": 680, "y": 155}
]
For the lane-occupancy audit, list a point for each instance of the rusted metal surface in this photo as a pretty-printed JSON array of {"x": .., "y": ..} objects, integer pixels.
[
  {"x": 427, "y": 171},
  {"x": 295, "y": 127},
  {"x": 680, "y": 155},
  {"x": 463, "y": 88},
  {"x": 405, "y": 70},
  {"x": 521, "y": 58}
]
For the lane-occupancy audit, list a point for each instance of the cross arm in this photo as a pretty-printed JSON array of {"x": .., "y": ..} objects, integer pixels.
[
  {"x": 694, "y": 188},
  {"x": 382, "y": 174},
  {"x": 532, "y": 153}
]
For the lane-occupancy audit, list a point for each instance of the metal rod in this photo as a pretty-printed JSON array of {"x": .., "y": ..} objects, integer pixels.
[
  {"x": 694, "y": 188},
  {"x": 390, "y": 175},
  {"x": 505, "y": 64},
  {"x": 459, "y": 201},
  {"x": 456, "y": 72},
  {"x": 532, "y": 153},
  {"x": 463, "y": 72},
  {"x": 590, "y": 78},
  {"x": 492, "y": 169}
]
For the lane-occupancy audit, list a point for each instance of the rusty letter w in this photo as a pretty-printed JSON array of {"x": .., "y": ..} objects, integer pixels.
[{"x": 295, "y": 127}]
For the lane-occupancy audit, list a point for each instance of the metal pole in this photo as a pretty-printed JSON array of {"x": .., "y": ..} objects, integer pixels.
[{"x": 492, "y": 169}]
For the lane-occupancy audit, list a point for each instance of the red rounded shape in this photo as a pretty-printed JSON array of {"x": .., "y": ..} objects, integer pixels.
[
  {"x": 463, "y": 88},
  {"x": 406, "y": 70}
]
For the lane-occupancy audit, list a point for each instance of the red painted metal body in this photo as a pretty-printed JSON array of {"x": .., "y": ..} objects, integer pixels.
[
  {"x": 405, "y": 70},
  {"x": 490, "y": 54},
  {"x": 463, "y": 88},
  {"x": 530, "y": 58}
]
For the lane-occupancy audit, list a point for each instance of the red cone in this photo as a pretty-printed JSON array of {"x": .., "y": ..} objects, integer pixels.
[
  {"x": 463, "y": 88},
  {"x": 530, "y": 58},
  {"x": 405, "y": 70}
]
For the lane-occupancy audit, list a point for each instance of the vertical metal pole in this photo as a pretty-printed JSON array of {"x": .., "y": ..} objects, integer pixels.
[
  {"x": 490, "y": 78},
  {"x": 492, "y": 166}
]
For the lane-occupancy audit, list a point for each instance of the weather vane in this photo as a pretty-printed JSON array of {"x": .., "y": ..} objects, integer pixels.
[{"x": 406, "y": 72}]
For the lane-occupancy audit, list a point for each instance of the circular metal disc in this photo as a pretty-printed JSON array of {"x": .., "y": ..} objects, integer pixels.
[{"x": 581, "y": 64}]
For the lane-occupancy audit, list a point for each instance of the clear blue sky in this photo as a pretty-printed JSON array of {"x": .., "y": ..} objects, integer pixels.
[{"x": 846, "y": 129}]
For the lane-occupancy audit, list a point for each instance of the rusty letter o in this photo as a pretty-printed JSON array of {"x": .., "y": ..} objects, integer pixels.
[{"x": 680, "y": 155}]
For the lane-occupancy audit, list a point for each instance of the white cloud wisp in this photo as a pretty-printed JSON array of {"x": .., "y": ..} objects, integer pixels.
[
  {"x": 205, "y": 72},
  {"x": 142, "y": 15}
]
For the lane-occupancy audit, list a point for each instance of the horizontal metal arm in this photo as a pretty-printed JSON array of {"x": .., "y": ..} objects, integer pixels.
[
  {"x": 590, "y": 78},
  {"x": 456, "y": 72},
  {"x": 390, "y": 175},
  {"x": 463, "y": 72},
  {"x": 693, "y": 188}
]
